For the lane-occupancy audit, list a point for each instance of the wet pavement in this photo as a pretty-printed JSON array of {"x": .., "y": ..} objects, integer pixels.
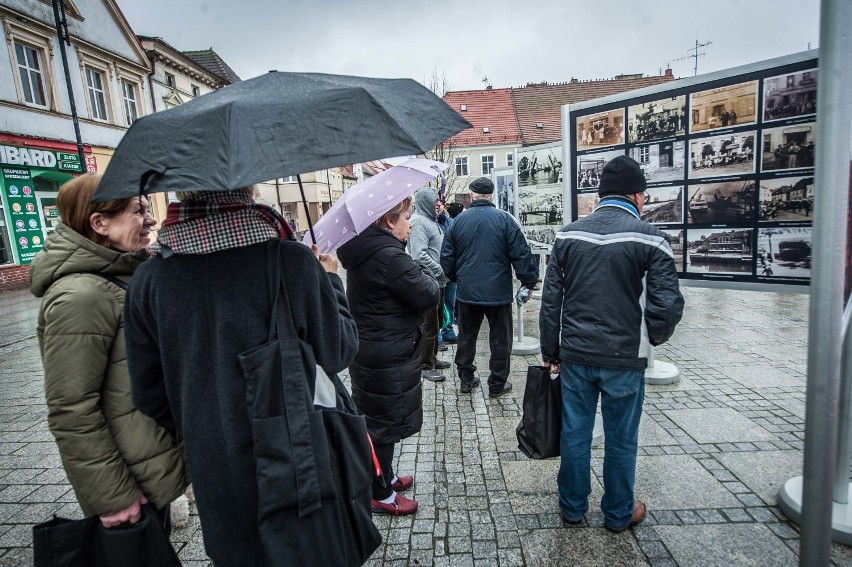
[{"x": 714, "y": 450}]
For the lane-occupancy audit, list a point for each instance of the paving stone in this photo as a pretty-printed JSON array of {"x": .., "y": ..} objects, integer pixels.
[
  {"x": 678, "y": 483},
  {"x": 652, "y": 434},
  {"x": 764, "y": 472},
  {"x": 581, "y": 547},
  {"x": 754, "y": 376},
  {"x": 725, "y": 544},
  {"x": 719, "y": 425}
]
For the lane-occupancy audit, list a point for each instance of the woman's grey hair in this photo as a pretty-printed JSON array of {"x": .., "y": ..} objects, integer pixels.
[{"x": 250, "y": 191}]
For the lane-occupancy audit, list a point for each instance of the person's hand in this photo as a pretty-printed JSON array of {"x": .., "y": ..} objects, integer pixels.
[
  {"x": 553, "y": 366},
  {"x": 328, "y": 261},
  {"x": 132, "y": 514}
]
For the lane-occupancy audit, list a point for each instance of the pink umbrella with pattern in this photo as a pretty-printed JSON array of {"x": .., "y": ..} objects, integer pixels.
[{"x": 368, "y": 200}]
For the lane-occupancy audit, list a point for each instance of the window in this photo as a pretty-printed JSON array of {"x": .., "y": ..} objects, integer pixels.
[
  {"x": 461, "y": 166},
  {"x": 195, "y": 90},
  {"x": 128, "y": 93},
  {"x": 31, "y": 75},
  {"x": 487, "y": 164},
  {"x": 791, "y": 81},
  {"x": 510, "y": 159},
  {"x": 170, "y": 80},
  {"x": 97, "y": 95},
  {"x": 644, "y": 154}
]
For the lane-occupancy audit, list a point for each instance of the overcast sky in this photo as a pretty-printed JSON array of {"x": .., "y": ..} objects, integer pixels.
[{"x": 511, "y": 43}]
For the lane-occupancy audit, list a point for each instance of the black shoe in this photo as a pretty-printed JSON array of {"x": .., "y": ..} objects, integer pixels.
[
  {"x": 442, "y": 347},
  {"x": 442, "y": 365},
  {"x": 507, "y": 387},
  {"x": 452, "y": 341},
  {"x": 466, "y": 388},
  {"x": 568, "y": 521},
  {"x": 432, "y": 375}
]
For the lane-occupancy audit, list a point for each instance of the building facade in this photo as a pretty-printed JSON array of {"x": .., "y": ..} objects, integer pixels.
[{"x": 38, "y": 151}]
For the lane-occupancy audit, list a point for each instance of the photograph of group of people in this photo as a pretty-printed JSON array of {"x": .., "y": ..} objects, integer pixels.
[
  {"x": 790, "y": 95},
  {"x": 656, "y": 120},
  {"x": 602, "y": 129},
  {"x": 590, "y": 166},
  {"x": 724, "y": 166},
  {"x": 729, "y": 154},
  {"x": 725, "y": 107}
]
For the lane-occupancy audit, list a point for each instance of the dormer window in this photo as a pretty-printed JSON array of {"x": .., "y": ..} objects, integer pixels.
[
  {"x": 463, "y": 107},
  {"x": 539, "y": 125},
  {"x": 486, "y": 130}
]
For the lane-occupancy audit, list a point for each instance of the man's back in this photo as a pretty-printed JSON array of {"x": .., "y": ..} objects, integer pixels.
[
  {"x": 595, "y": 292},
  {"x": 480, "y": 251}
]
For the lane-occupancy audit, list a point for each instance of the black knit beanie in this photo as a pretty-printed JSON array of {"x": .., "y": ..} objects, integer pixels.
[{"x": 621, "y": 176}]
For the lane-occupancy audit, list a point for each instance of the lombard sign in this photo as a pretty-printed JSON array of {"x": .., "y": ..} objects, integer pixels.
[{"x": 44, "y": 159}]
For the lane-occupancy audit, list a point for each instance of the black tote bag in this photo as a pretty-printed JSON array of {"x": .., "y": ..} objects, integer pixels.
[
  {"x": 541, "y": 424},
  {"x": 314, "y": 463},
  {"x": 61, "y": 542}
]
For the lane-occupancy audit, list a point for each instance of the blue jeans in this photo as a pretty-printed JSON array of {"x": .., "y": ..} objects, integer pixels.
[
  {"x": 450, "y": 301},
  {"x": 621, "y": 392}
]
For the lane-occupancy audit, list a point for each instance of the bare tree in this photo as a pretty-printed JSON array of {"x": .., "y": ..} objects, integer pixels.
[{"x": 446, "y": 151}]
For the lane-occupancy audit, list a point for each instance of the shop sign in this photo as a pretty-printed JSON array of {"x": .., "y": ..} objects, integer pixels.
[
  {"x": 24, "y": 222},
  {"x": 38, "y": 158}
]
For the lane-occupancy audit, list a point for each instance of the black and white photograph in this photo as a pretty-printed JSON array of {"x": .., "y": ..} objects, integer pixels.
[
  {"x": 720, "y": 251},
  {"x": 731, "y": 154},
  {"x": 725, "y": 107},
  {"x": 661, "y": 162},
  {"x": 789, "y": 147},
  {"x": 656, "y": 120},
  {"x": 663, "y": 205},
  {"x": 786, "y": 199},
  {"x": 586, "y": 203},
  {"x": 590, "y": 166},
  {"x": 540, "y": 234},
  {"x": 504, "y": 187},
  {"x": 790, "y": 95},
  {"x": 540, "y": 166},
  {"x": 676, "y": 240},
  {"x": 729, "y": 202},
  {"x": 542, "y": 205},
  {"x": 601, "y": 129},
  {"x": 784, "y": 252}
]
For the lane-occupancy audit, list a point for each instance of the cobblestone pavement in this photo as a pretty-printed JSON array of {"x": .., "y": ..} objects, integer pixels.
[{"x": 714, "y": 450}]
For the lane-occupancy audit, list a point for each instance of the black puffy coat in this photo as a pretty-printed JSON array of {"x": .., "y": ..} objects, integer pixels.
[{"x": 388, "y": 294}]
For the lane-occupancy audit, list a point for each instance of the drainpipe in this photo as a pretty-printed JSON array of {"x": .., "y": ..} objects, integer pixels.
[{"x": 65, "y": 37}]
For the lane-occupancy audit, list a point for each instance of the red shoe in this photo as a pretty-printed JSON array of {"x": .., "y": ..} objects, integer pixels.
[
  {"x": 403, "y": 483},
  {"x": 401, "y": 506}
]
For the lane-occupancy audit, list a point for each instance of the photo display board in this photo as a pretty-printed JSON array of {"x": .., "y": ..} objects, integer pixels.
[
  {"x": 729, "y": 165},
  {"x": 541, "y": 194}
]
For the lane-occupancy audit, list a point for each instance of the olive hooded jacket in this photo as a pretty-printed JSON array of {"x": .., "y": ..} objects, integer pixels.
[{"x": 109, "y": 450}]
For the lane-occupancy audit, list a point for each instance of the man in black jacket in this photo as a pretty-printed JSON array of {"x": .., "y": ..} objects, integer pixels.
[
  {"x": 610, "y": 292},
  {"x": 478, "y": 254}
]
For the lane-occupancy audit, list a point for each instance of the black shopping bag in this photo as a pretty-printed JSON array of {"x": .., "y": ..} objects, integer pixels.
[
  {"x": 61, "y": 542},
  {"x": 541, "y": 424},
  {"x": 314, "y": 462}
]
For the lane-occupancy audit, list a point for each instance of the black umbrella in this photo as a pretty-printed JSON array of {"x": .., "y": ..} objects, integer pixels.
[{"x": 276, "y": 125}]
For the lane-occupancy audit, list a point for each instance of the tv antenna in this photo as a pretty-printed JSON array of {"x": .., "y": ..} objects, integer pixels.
[{"x": 694, "y": 53}]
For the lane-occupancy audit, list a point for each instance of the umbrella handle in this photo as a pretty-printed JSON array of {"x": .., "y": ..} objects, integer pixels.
[{"x": 307, "y": 212}]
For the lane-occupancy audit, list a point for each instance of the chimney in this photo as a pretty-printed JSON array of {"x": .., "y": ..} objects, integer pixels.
[{"x": 669, "y": 72}]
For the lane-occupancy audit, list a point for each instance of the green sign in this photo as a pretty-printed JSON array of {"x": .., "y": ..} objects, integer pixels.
[
  {"x": 22, "y": 216},
  {"x": 42, "y": 159}
]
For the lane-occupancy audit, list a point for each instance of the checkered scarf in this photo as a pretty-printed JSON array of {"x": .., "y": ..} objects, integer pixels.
[{"x": 219, "y": 220}]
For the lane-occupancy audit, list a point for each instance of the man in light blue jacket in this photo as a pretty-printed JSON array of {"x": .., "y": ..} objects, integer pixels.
[{"x": 424, "y": 246}]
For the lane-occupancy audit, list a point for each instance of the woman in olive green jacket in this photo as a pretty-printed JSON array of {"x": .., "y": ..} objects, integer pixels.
[{"x": 115, "y": 457}]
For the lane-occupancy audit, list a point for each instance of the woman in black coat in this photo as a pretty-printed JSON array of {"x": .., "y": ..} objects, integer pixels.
[{"x": 388, "y": 294}]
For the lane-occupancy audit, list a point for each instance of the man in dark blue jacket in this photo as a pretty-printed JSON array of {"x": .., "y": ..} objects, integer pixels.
[
  {"x": 478, "y": 254},
  {"x": 610, "y": 292}
]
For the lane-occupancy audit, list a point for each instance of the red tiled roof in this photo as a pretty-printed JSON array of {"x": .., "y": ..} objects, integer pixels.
[
  {"x": 488, "y": 108},
  {"x": 542, "y": 104},
  {"x": 512, "y": 114}
]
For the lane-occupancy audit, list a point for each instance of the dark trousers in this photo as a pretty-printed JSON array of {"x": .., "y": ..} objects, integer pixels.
[
  {"x": 500, "y": 340},
  {"x": 430, "y": 335},
  {"x": 384, "y": 453}
]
